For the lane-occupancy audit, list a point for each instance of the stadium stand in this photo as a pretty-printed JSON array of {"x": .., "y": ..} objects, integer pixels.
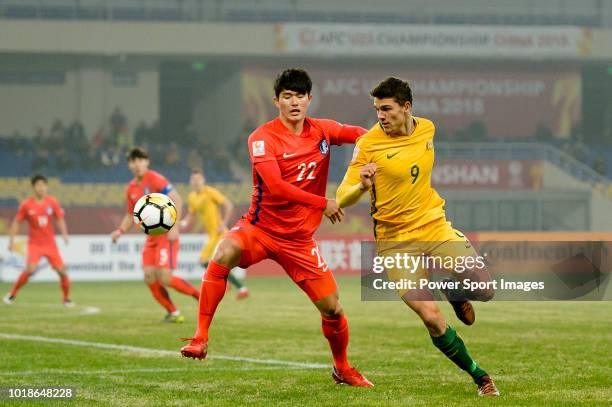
[{"x": 550, "y": 13}]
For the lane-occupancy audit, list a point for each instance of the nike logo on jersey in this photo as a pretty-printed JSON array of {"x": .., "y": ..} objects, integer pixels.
[
  {"x": 389, "y": 156},
  {"x": 285, "y": 155}
]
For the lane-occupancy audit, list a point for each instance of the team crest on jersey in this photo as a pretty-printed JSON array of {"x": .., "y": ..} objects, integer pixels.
[
  {"x": 259, "y": 148},
  {"x": 324, "y": 147},
  {"x": 49, "y": 210},
  {"x": 429, "y": 144}
]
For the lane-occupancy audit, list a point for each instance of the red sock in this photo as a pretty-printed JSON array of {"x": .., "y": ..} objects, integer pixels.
[
  {"x": 211, "y": 293},
  {"x": 162, "y": 297},
  {"x": 184, "y": 287},
  {"x": 21, "y": 280},
  {"x": 65, "y": 284},
  {"x": 337, "y": 333}
]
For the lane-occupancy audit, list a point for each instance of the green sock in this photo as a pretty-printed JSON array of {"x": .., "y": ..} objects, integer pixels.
[
  {"x": 234, "y": 281},
  {"x": 453, "y": 347}
]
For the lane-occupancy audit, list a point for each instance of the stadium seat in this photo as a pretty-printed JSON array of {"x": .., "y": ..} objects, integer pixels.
[
  {"x": 129, "y": 13},
  {"x": 240, "y": 16},
  {"x": 165, "y": 14},
  {"x": 58, "y": 12},
  {"x": 272, "y": 16},
  {"x": 311, "y": 16},
  {"x": 20, "y": 11},
  {"x": 91, "y": 13}
]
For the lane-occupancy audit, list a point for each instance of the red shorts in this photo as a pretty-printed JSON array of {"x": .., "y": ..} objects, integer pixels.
[
  {"x": 50, "y": 251},
  {"x": 159, "y": 252},
  {"x": 301, "y": 260}
]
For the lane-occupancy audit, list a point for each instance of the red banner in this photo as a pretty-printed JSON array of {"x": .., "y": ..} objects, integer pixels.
[{"x": 510, "y": 103}]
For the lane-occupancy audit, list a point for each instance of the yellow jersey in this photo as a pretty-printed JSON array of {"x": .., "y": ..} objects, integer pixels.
[
  {"x": 402, "y": 197},
  {"x": 205, "y": 203}
]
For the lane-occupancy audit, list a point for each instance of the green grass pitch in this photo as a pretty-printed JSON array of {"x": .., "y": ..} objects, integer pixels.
[{"x": 539, "y": 353}]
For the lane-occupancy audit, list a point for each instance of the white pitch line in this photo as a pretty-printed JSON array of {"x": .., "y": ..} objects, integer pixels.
[
  {"x": 69, "y": 312},
  {"x": 160, "y": 352},
  {"x": 127, "y": 371}
]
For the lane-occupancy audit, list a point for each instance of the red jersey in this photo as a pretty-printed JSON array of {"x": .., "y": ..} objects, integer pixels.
[
  {"x": 151, "y": 182},
  {"x": 38, "y": 215},
  {"x": 304, "y": 162}
]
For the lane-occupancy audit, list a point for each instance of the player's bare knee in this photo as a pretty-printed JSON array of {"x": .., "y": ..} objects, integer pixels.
[
  {"x": 333, "y": 311},
  {"x": 164, "y": 276},
  {"x": 484, "y": 295},
  {"x": 227, "y": 253},
  {"x": 485, "y": 291},
  {"x": 149, "y": 276},
  {"x": 330, "y": 306}
]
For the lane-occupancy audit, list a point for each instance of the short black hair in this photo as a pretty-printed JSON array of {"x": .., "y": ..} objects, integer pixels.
[
  {"x": 294, "y": 79},
  {"x": 197, "y": 170},
  {"x": 137, "y": 152},
  {"x": 38, "y": 177},
  {"x": 394, "y": 88}
]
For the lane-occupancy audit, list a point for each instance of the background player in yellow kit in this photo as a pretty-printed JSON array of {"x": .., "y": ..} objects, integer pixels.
[
  {"x": 394, "y": 161},
  {"x": 214, "y": 210}
]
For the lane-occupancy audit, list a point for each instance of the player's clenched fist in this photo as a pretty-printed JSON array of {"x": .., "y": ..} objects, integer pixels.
[
  {"x": 366, "y": 174},
  {"x": 333, "y": 212}
]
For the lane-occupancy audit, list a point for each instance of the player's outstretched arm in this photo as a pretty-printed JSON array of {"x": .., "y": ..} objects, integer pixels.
[
  {"x": 61, "y": 224},
  {"x": 124, "y": 226},
  {"x": 270, "y": 173},
  {"x": 186, "y": 220},
  {"x": 341, "y": 133},
  {"x": 357, "y": 180},
  {"x": 13, "y": 230}
]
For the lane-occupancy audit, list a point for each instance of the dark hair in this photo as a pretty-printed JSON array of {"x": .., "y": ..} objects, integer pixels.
[
  {"x": 197, "y": 171},
  {"x": 137, "y": 152},
  {"x": 294, "y": 79},
  {"x": 394, "y": 88},
  {"x": 38, "y": 177}
]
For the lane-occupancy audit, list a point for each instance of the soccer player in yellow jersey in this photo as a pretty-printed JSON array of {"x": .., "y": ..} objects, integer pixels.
[
  {"x": 214, "y": 210},
  {"x": 393, "y": 161}
]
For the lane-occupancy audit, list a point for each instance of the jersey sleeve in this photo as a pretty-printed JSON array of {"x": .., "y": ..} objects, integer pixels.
[
  {"x": 339, "y": 134},
  {"x": 160, "y": 184},
  {"x": 217, "y": 197},
  {"x": 58, "y": 211},
  {"x": 271, "y": 175},
  {"x": 349, "y": 191},
  {"x": 261, "y": 147},
  {"x": 22, "y": 212}
]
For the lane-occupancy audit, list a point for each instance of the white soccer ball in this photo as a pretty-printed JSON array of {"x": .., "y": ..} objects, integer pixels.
[{"x": 155, "y": 214}]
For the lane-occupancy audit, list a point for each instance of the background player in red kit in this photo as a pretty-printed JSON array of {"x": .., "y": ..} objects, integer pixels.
[
  {"x": 159, "y": 254},
  {"x": 38, "y": 210},
  {"x": 290, "y": 161}
]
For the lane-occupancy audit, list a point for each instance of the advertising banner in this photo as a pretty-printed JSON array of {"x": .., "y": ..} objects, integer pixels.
[
  {"x": 433, "y": 40},
  {"x": 511, "y": 104}
]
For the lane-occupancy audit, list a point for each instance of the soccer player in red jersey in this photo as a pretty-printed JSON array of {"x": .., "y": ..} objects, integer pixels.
[
  {"x": 290, "y": 161},
  {"x": 160, "y": 252},
  {"x": 38, "y": 210}
]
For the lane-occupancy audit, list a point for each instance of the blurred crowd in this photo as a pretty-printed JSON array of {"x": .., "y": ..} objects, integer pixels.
[{"x": 64, "y": 147}]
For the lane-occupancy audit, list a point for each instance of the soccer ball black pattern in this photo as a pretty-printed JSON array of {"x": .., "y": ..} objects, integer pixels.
[{"x": 155, "y": 214}]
